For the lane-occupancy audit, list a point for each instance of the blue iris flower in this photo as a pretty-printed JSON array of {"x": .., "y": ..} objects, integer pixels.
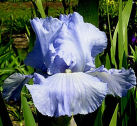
[{"x": 65, "y": 49}]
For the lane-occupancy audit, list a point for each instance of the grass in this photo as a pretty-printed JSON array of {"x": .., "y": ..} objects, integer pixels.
[
  {"x": 24, "y": 9},
  {"x": 18, "y": 10},
  {"x": 16, "y": 15}
]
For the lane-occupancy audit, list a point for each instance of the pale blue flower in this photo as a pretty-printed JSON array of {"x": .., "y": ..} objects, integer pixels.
[
  {"x": 69, "y": 43},
  {"x": 65, "y": 43}
]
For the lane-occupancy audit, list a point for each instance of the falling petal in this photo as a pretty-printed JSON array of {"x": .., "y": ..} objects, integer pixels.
[
  {"x": 119, "y": 81},
  {"x": 13, "y": 84},
  {"x": 67, "y": 94}
]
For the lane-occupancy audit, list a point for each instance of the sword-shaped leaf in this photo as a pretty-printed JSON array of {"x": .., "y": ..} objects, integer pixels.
[{"x": 28, "y": 117}]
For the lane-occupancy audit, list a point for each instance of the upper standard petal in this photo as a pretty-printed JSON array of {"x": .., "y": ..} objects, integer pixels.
[{"x": 67, "y": 42}]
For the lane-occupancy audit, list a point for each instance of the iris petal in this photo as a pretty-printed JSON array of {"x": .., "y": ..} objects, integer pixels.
[
  {"x": 13, "y": 85},
  {"x": 67, "y": 94},
  {"x": 65, "y": 48},
  {"x": 89, "y": 39},
  {"x": 67, "y": 42},
  {"x": 44, "y": 30},
  {"x": 35, "y": 58},
  {"x": 119, "y": 81}
]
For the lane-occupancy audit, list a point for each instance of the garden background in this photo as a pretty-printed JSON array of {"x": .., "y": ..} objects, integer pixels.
[{"x": 116, "y": 17}]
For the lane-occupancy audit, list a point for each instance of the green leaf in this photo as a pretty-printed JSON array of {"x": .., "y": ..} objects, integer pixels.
[
  {"x": 6, "y": 70},
  {"x": 125, "y": 46},
  {"x": 113, "y": 121},
  {"x": 6, "y": 47},
  {"x": 40, "y": 8},
  {"x": 120, "y": 36},
  {"x": 28, "y": 32},
  {"x": 28, "y": 117},
  {"x": 124, "y": 62},
  {"x": 123, "y": 105},
  {"x": 98, "y": 120},
  {"x": 5, "y": 56},
  {"x": 98, "y": 61},
  {"x": 125, "y": 40},
  {"x": 107, "y": 65},
  {"x": 125, "y": 19},
  {"x": 134, "y": 53},
  {"x": 132, "y": 50}
]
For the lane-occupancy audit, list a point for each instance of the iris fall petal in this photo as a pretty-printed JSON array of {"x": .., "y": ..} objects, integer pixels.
[
  {"x": 13, "y": 84},
  {"x": 67, "y": 94},
  {"x": 119, "y": 81}
]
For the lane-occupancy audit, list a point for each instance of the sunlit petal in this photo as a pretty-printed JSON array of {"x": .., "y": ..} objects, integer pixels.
[
  {"x": 119, "y": 81},
  {"x": 44, "y": 30},
  {"x": 88, "y": 38},
  {"x": 67, "y": 42},
  {"x": 67, "y": 94}
]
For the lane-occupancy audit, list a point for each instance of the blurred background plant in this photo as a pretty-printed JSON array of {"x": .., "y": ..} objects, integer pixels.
[{"x": 116, "y": 17}]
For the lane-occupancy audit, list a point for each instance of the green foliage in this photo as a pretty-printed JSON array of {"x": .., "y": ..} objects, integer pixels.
[
  {"x": 107, "y": 65},
  {"x": 18, "y": 10},
  {"x": 114, "y": 117},
  {"x": 28, "y": 117},
  {"x": 122, "y": 34},
  {"x": 111, "y": 6},
  {"x": 17, "y": 26},
  {"x": 98, "y": 120},
  {"x": 134, "y": 54},
  {"x": 98, "y": 61},
  {"x": 40, "y": 8}
]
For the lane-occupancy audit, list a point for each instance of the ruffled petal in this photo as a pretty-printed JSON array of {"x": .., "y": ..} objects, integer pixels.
[
  {"x": 77, "y": 43},
  {"x": 65, "y": 52},
  {"x": 64, "y": 43},
  {"x": 13, "y": 84},
  {"x": 45, "y": 30},
  {"x": 90, "y": 39},
  {"x": 119, "y": 81},
  {"x": 67, "y": 94}
]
